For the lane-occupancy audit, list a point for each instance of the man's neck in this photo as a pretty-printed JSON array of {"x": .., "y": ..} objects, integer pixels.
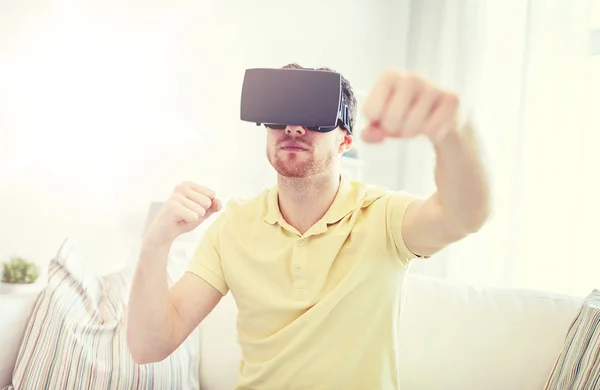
[{"x": 304, "y": 201}]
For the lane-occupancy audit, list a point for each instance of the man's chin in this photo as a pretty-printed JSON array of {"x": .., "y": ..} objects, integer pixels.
[
  {"x": 292, "y": 170},
  {"x": 291, "y": 173}
]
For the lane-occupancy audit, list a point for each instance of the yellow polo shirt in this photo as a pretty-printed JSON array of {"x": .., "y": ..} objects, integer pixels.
[{"x": 318, "y": 310}]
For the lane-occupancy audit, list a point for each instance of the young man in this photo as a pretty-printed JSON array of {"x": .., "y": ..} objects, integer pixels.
[{"x": 315, "y": 264}]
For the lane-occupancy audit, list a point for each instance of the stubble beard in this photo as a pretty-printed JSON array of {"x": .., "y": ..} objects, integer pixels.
[{"x": 292, "y": 167}]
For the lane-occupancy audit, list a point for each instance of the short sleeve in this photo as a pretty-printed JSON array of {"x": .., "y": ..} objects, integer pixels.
[
  {"x": 206, "y": 261},
  {"x": 397, "y": 204}
]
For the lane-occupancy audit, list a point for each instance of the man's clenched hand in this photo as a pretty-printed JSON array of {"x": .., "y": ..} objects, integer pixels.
[
  {"x": 403, "y": 105},
  {"x": 188, "y": 206}
]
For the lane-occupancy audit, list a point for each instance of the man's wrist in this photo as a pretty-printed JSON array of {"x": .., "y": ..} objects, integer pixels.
[
  {"x": 153, "y": 248},
  {"x": 456, "y": 139}
]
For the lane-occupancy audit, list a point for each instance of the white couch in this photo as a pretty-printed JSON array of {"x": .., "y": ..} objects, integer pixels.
[{"x": 452, "y": 337}]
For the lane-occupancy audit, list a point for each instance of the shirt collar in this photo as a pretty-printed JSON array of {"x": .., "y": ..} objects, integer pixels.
[{"x": 343, "y": 203}]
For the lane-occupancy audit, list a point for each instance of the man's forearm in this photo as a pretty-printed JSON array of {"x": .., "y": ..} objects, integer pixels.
[
  {"x": 463, "y": 188},
  {"x": 150, "y": 321}
]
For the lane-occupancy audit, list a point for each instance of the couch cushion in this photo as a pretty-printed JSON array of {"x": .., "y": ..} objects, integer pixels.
[
  {"x": 76, "y": 336},
  {"x": 578, "y": 366},
  {"x": 460, "y": 337}
]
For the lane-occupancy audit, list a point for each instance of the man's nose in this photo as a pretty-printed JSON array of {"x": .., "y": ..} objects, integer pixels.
[{"x": 295, "y": 130}]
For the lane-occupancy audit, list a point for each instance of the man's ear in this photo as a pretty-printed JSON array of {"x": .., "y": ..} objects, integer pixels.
[{"x": 346, "y": 141}]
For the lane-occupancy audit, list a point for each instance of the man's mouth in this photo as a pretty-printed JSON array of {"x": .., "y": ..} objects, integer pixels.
[{"x": 293, "y": 147}]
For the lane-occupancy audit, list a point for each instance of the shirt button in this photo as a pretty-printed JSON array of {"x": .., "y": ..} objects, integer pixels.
[
  {"x": 301, "y": 293},
  {"x": 300, "y": 242},
  {"x": 298, "y": 271}
]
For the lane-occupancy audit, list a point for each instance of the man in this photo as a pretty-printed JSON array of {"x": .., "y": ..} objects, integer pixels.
[{"x": 315, "y": 264}]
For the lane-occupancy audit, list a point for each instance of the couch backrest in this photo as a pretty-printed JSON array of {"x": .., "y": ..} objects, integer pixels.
[{"x": 452, "y": 336}]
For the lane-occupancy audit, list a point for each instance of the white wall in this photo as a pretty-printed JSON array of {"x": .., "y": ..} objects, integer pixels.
[{"x": 106, "y": 105}]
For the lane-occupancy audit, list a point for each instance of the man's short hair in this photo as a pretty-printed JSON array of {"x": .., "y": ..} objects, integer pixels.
[{"x": 347, "y": 91}]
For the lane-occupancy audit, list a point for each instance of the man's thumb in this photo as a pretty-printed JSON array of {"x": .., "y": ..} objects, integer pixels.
[
  {"x": 215, "y": 206},
  {"x": 372, "y": 134}
]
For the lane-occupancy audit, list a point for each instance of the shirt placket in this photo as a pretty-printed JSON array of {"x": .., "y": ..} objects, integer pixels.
[{"x": 300, "y": 268}]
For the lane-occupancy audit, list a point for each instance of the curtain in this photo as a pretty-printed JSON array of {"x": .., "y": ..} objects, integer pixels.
[{"x": 524, "y": 69}]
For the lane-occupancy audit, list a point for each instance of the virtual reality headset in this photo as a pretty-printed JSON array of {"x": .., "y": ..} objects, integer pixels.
[{"x": 280, "y": 97}]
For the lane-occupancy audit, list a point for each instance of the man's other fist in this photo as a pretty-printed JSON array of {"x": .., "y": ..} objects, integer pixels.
[
  {"x": 403, "y": 105},
  {"x": 188, "y": 206}
]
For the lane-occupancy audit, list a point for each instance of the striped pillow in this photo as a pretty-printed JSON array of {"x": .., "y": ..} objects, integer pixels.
[
  {"x": 578, "y": 365},
  {"x": 76, "y": 337}
]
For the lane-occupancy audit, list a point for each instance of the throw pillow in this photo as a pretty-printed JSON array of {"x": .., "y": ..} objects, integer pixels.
[
  {"x": 76, "y": 336},
  {"x": 578, "y": 364}
]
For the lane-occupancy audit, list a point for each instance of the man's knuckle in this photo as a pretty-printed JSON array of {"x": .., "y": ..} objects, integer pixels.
[
  {"x": 451, "y": 99},
  {"x": 392, "y": 74}
]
